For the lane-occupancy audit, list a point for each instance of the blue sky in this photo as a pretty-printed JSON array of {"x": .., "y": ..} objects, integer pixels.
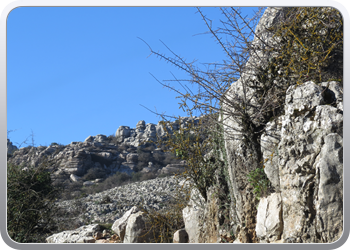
[{"x": 79, "y": 71}]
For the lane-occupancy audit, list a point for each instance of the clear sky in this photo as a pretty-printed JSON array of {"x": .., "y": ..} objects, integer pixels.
[{"x": 73, "y": 72}]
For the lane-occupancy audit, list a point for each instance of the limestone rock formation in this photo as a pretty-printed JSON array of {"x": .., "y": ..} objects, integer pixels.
[
  {"x": 106, "y": 155},
  {"x": 302, "y": 156},
  {"x": 241, "y": 158}
]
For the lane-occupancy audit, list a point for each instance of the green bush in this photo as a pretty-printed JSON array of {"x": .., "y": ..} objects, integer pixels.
[
  {"x": 259, "y": 181},
  {"x": 30, "y": 203}
]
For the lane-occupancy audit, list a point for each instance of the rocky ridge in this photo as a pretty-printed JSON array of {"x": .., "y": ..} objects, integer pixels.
[{"x": 130, "y": 150}]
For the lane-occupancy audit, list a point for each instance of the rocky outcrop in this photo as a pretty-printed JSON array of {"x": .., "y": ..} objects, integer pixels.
[
  {"x": 243, "y": 158},
  {"x": 149, "y": 132},
  {"x": 106, "y": 155},
  {"x": 305, "y": 166},
  {"x": 293, "y": 149}
]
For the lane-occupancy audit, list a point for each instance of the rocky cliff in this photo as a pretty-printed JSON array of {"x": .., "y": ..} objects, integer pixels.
[{"x": 301, "y": 153}]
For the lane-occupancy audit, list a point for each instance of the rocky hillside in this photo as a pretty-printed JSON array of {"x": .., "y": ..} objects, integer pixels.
[{"x": 131, "y": 150}]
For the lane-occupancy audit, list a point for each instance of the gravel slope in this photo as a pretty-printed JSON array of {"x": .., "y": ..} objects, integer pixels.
[{"x": 151, "y": 194}]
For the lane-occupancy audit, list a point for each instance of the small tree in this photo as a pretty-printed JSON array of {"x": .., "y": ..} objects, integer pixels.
[{"x": 30, "y": 203}]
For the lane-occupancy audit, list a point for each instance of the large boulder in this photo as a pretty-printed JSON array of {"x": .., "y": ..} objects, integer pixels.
[
  {"x": 132, "y": 227},
  {"x": 193, "y": 216},
  {"x": 123, "y": 132},
  {"x": 119, "y": 226},
  {"x": 136, "y": 230}
]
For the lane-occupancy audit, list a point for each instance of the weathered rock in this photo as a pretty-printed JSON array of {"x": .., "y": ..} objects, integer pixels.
[
  {"x": 291, "y": 147},
  {"x": 100, "y": 138},
  {"x": 329, "y": 205},
  {"x": 123, "y": 132},
  {"x": 74, "y": 178},
  {"x": 193, "y": 216},
  {"x": 305, "y": 128},
  {"x": 82, "y": 234},
  {"x": 180, "y": 236},
  {"x": 269, "y": 224},
  {"x": 89, "y": 139},
  {"x": 132, "y": 158},
  {"x": 150, "y": 131},
  {"x": 136, "y": 230},
  {"x": 243, "y": 159},
  {"x": 173, "y": 168},
  {"x": 141, "y": 125},
  {"x": 119, "y": 226}
]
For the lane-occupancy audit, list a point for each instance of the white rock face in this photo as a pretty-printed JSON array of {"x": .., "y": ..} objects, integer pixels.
[
  {"x": 269, "y": 218},
  {"x": 329, "y": 205},
  {"x": 304, "y": 154}
]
